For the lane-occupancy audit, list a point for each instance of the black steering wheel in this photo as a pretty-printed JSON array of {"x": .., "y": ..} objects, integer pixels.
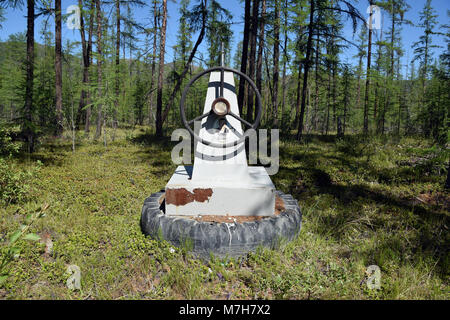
[{"x": 220, "y": 107}]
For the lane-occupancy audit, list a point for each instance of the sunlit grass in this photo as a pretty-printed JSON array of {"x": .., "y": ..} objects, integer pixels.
[{"x": 363, "y": 202}]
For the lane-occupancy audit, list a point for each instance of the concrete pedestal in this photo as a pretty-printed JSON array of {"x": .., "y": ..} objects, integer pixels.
[{"x": 252, "y": 195}]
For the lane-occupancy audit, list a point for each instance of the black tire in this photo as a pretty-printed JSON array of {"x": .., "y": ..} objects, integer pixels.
[{"x": 221, "y": 239}]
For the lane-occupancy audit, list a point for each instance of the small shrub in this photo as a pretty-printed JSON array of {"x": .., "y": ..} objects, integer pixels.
[
  {"x": 7, "y": 146},
  {"x": 13, "y": 183},
  {"x": 353, "y": 146},
  {"x": 11, "y": 251}
]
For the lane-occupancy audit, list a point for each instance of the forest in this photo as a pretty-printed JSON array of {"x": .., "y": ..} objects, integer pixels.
[{"x": 85, "y": 127}]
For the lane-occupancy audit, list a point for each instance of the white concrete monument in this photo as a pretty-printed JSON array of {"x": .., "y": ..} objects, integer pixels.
[{"x": 220, "y": 182}]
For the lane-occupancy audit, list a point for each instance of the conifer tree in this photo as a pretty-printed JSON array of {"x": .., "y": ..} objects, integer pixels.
[
  {"x": 100, "y": 120},
  {"x": 422, "y": 48},
  {"x": 162, "y": 51},
  {"x": 58, "y": 69}
]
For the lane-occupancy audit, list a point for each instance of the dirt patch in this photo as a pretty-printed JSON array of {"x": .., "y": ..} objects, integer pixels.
[
  {"x": 435, "y": 199},
  {"x": 227, "y": 218},
  {"x": 279, "y": 205}
]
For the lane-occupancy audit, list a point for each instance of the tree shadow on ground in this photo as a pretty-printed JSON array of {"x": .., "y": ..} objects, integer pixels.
[
  {"x": 393, "y": 215},
  {"x": 307, "y": 178},
  {"x": 150, "y": 139},
  {"x": 49, "y": 153}
]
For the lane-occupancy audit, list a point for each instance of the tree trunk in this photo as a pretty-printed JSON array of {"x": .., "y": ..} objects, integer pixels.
[
  {"x": 244, "y": 56},
  {"x": 316, "y": 85},
  {"x": 298, "y": 95},
  {"x": 366, "y": 97},
  {"x": 377, "y": 104},
  {"x": 28, "y": 109},
  {"x": 260, "y": 47},
  {"x": 162, "y": 50},
  {"x": 283, "y": 79},
  {"x": 383, "y": 111},
  {"x": 329, "y": 94},
  {"x": 98, "y": 131},
  {"x": 117, "y": 84},
  {"x": 346, "y": 98},
  {"x": 401, "y": 105},
  {"x": 358, "y": 90},
  {"x": 425, "y": 68},
  {"x": 89, "y": 52},
  {"x": 58, "y": 70},
  {"x": 390, "y": 77},
  {"x": 377, "y": 101},
  {"x": 151, "y": 117},
  {"x": 86, "y": 61},
  {"x": 252, "y": 57},
  {"x": 307, "y": 66},
  {"x": 82, "y": 101},
  {"x": 276, "y": 62},
  {"x": 334, "y": 66}
]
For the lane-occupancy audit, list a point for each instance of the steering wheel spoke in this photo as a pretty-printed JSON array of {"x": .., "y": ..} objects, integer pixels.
[
  {"x": 248, "y": 124},
  {"x": 198, "y": 118}
]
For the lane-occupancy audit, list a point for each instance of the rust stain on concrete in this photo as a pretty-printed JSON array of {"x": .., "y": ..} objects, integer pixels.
[
  {"x": 181, "y": 196},
  {"x": 202, "y": 195}
]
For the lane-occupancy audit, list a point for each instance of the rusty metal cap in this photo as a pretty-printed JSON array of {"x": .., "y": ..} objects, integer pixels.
[{"x": 220, "y": 106}]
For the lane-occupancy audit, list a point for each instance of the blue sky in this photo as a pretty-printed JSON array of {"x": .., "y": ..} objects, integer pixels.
[{"x": 16, "y": 22}]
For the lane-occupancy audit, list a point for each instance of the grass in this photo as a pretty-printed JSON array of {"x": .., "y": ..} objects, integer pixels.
[{"x": 363, "y": 203}]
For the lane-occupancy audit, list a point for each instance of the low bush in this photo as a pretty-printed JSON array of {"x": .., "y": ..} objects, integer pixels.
[
  {"x": 14, "y": 185},
  {"x": 7, "y": 146}
]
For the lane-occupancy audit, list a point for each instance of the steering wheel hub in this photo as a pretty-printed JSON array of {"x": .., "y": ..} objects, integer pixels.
[{"x": 220, "y": 106}]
